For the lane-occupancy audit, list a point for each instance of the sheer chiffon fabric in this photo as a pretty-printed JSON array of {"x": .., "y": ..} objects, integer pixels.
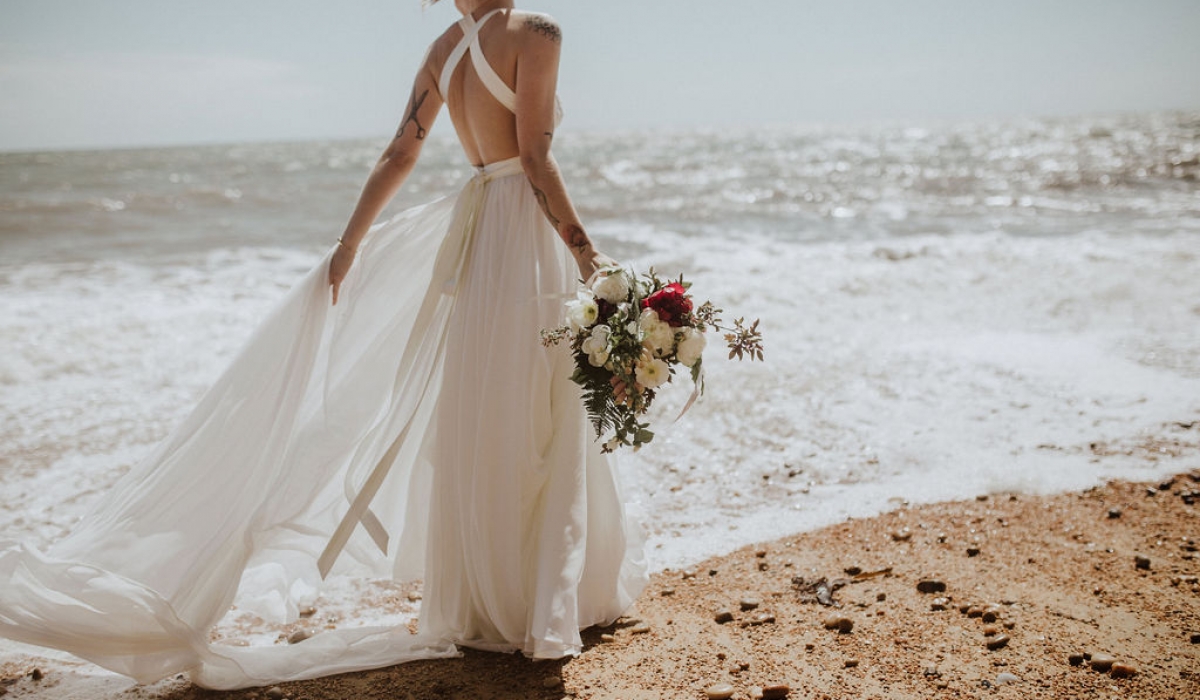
[{"x": 431, "y": 367}]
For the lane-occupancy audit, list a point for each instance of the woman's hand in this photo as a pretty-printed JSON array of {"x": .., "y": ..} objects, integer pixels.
[
  {"x": 339, "y": 265},
  {"x": 590, "y": 262}
]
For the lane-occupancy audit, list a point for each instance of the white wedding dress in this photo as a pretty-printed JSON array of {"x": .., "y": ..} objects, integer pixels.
[{"x": 416, "y": 430}]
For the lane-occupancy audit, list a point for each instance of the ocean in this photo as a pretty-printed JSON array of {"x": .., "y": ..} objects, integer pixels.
[{"x": 949, "y": 309}]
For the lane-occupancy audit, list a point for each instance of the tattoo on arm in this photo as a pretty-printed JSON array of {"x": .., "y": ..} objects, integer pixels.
[
  {"x": 577, "y": 239},
  {"x": 545, "y": 205},
  {"x": 416, "y": 103},
  {"x": 545, "y": 27}
]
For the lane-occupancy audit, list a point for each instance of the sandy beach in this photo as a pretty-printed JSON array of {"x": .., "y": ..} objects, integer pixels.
[{"x": 1091, "y": 594}]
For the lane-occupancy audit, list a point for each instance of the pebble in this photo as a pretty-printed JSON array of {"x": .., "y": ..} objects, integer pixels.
[
  {"x": 308, "y": 611},
  {"x": 1122, "y": 670},
  {"x": 990, "y": 614},
  {"x": 1142, "y": 562},
  {"x": 932, "y": 672},
  {"x": 607, "y": 638},
  {"x": 413, "y": 597},
  {"x": 723, "y": 616},
  {"x": 668, "y": 591},
  {"x": 720, "y": 691},
  {"x": 761, "y": 618},
  {"x": 972, "y": 551},
  {"x": 1196, "y": 638},
  {"x": 1005, "y": 678},
  {"x": 689, "y": 574},
  {"x": 853, "y": 570},
  {"x": 881, "y": 597},
  {"x": 299, "y": 636},
  {"x": 902, "y": 535},
  {"x": 551, "y": 682},
  {"x": 641, "y": 628},
  {"x": 749, "y": 604},
  {"x": 939, "y": 604},
  {"x": 1114, "y": 513},
  {"x": 851, "y": 663},
  {"x": 754, "y": 692},
  {"x": 840, "y": 623},
  {"x": 1102, "y": 662},
  {"x": 36, "y": 674},
  {"x": 1075, "y": 659},
  {"x": 930, "y": 585},
  {"x": 991, "y": 630},
  {"x": 775, "y": 692},
  {"x": 274, "y": 693},
  {"x": 998, "y": 642},
  {"x": 760, "y": 553}
]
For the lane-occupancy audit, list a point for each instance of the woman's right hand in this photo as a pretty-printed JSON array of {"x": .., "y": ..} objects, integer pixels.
[{"x": 339, "y": 265}]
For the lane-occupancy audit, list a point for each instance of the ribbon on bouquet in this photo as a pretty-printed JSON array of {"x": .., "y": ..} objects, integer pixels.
[{"x": 447, "y": 270}]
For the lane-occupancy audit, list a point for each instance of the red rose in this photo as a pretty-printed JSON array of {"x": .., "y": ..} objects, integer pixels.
[{"x": 671, "y": 303}]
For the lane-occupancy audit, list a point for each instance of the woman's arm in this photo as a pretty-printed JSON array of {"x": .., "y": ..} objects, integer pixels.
[
  {"x": 537, "y": 81},
  {"x": 389, "y": 172}
]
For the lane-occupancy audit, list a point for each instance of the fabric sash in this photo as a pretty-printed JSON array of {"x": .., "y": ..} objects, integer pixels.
[{"x": 451, "y": 258}]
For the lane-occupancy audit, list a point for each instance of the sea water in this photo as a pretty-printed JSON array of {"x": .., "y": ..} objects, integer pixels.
[{"x": 949, "y": 309}]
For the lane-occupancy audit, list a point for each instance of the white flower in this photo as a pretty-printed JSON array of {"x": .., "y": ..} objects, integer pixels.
[
  {"x": 583, "y": 311},
  {"x": 657, "y": 335},
  {"x": 613, "y": 287},
  {"x": 596, "y": 345},
  {"x": 651, "y": 372},
  {"x": 690, "y": 347}
]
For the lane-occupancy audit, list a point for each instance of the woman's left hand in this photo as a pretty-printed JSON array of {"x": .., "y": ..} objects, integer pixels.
[{"x": 339, "y": 265}]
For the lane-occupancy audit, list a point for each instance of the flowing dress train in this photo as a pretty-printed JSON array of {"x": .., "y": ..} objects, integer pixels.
[{"x": 417, "y": 430}]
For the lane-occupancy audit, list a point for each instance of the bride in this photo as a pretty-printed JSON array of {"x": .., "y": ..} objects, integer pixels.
[{"x": 394, "y": 415}]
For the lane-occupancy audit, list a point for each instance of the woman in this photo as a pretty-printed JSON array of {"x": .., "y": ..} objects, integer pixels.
[{"x": 415, "y": 427}]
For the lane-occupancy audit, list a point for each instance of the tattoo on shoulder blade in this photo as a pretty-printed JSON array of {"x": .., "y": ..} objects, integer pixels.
[
  {"x": 545, "y": 27},
  {"x": 416, "y": 103}
]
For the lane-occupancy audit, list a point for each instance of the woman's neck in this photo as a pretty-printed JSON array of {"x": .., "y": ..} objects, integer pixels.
[{"x": 482, "y": 7}]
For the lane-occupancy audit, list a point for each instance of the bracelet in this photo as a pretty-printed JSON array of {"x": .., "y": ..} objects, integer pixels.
[{"x": 343, "y": 244}]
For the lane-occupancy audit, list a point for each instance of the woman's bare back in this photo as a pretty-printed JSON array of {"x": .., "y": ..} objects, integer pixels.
[{"x": 487, "y": 128}]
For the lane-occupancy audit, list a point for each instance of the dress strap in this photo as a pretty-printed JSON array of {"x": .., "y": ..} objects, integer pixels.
[{"x": 470, "y": 42}]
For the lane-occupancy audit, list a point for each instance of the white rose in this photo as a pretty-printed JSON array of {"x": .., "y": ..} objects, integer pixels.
[
  {"x": 651, "y": 372},
  {"x": 690, "y": 347},
  {"x": 596, "y": 345},
  {"x": 583, "y": 311},
  {"x": 656, "y": 334},
  {"x": 613, "y": 287}
]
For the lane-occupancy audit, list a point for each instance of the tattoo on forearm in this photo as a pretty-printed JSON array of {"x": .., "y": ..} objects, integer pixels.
[
  {"x": 416, "y": 103},
  {"x": 545, "y": 27},
  {"x": 545, "y": 205},
  {"x": 576, "y": 238}
]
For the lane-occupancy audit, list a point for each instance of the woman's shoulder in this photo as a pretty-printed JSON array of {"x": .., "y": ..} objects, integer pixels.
[{"x": 537, "y": 24}]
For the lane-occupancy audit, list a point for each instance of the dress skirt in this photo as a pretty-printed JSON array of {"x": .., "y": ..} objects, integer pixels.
[{"x": 418, "y": 430}]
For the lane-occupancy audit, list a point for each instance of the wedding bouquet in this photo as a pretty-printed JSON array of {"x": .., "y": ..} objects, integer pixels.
[{"x": 629, "y": 335}]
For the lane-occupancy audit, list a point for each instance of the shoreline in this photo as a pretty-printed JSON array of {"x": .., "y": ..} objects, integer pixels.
[{"x": 1060, "y": 574}]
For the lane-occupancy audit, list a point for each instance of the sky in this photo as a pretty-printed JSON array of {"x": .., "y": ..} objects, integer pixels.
[{"x": 118, "y": 73}]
